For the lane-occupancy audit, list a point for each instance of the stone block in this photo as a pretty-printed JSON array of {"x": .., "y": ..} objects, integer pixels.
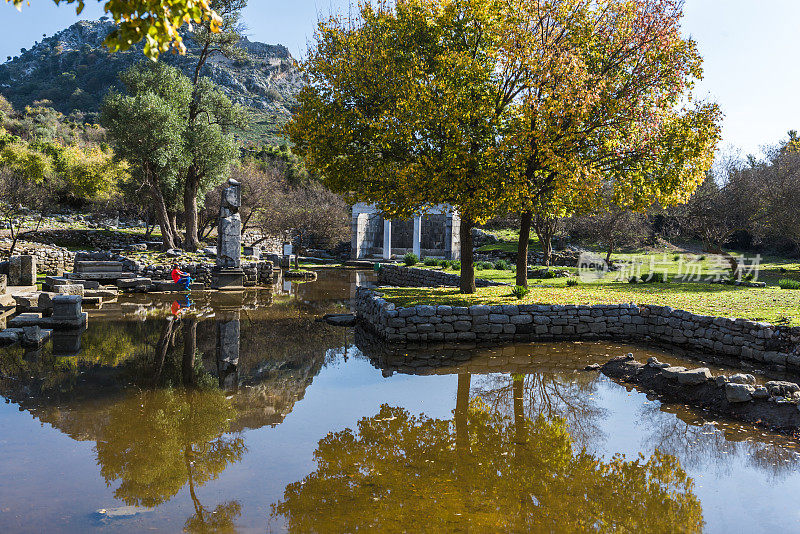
[
  {"x": 521, "y": 319},
  {"x": 22, "y": 270},
  {"x": 738, "y": 392},
  {"x": 694, "y": 377},
  {"x": 498, "y": 318},
  {"x": 68, "y": 289}
]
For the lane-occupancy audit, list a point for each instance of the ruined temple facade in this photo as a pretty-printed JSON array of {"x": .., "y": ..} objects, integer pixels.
[{"x": 432, "y": 233}]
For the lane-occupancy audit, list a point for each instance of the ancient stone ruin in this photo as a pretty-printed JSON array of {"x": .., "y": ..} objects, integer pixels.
[
  {"x": 433, "y": 233},
  {"x": 228, "y": 273}
]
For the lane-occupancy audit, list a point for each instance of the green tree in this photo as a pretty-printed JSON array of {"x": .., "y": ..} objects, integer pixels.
[
  {"x": 146, "y": 128},
  {"x": 212, "y": 152},
  {"x": 155, "y": 21}
]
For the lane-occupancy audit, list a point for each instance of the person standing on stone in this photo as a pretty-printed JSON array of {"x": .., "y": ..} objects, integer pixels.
[{"x": 180, "y": 277}]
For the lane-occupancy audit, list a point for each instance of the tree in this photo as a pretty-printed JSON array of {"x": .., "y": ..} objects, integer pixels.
[
  {"x": 601, "y": 88},
  {"x": 212, "y": 154},
  {"x": 155, "y": 21},
  {"x": 403, "y": 109},
  {"x": 145, "y": 128},
  {"x": 203, "y": 148}
]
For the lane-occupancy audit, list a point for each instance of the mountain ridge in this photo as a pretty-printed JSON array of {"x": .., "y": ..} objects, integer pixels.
[{"x": 73, "y": 70}]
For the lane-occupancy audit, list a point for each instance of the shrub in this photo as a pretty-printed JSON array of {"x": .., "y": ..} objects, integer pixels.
[
  {"x": 445, "y": 264},
  {"x": 482, "y": 265},
  {"x": 633, "y": 280},
  {"x": 676, "y": 257},
  {"x": 410, "y": 259},
  {"x": 456, "y": 265},
  {"x": 431, "y": 262},
  {"x": 702, "y": 258},
  {"x": 502, "y": 265},
  {"x": 657, "y": 278},
  {"x": 788, "y": 283},
  {"x": 520, "y": 291},
  {"x": 572, "y": 282}
]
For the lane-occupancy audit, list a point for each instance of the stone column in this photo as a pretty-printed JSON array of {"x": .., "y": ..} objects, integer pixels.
[
  {"x": 22, "y": 270},
  {"x": 228, "y": 333},
  {"x": 417, "y": 237},
  {"x": 228, "y": 273},
  {"x": 359, "y": 231},
  {"x": 452, "y": 236},
  {"x": 387, "y": 239}
]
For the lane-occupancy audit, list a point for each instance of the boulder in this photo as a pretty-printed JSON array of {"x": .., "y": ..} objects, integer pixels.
[
  {"x": 694, "y": 377},
  {"x": 736, "y": 392},
  {"x": 347, "y": 319},
  {"x": 672, "y": 372},
  {"x": 743, "y": 378},
  {"x": 781, "y": 388}
]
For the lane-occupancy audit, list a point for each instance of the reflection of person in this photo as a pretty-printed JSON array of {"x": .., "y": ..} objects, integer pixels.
[
  {"x": 180, "y": 277},
  {"x": 177, "y": 308}
]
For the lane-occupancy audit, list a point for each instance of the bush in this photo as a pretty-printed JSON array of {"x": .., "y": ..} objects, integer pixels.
[
  {"x": 676, "y": 257},
  {"x": 431, "y": 262},
  {"x": 502, "y": 265},
  {"x": 483, "y": 265},
  {"x": 657, "y": 278},
  {"x": 633, "y": 280},
  {"x": 572, "y": 282},
  {"x": 410, "y": 259},
  {"x": 456, "y": 265},
  {"x": 445, "y": 264},
  {"x": 788, "y": 283},
  {"x": 520, "y": 291},
  {"x": 701, "y": 258}
]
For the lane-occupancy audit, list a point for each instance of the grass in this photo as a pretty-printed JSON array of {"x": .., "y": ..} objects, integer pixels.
[
  {"x": 508, "y": 241},
  {"x": 759, "y": 304}
]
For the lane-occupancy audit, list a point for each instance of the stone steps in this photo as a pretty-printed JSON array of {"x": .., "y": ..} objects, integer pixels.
[{"x": 99, "y": 276}]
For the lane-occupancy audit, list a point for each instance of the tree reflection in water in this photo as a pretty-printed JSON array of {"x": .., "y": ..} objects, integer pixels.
[
  {"x": 156, "y": 442},
  {"x": 484, "y": 471}
]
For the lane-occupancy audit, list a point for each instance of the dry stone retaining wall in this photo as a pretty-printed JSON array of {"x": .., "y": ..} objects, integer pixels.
[
  {"x": 739, "y": 338},
  {"x": 49, "y": 259},
  {"x": 399, "y": 276}
]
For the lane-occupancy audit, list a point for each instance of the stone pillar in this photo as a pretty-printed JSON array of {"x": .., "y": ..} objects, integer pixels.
[
  {"x": 452, "y": 236},
  {"x": 228, "y": 333},
  {"x": 228, "y": 273},
  {"x": 417, "y": 237},
  {"x": 22, "y": 270},
  {"x": 387, "y": 239},
  {"x": 359, "y": 234}
]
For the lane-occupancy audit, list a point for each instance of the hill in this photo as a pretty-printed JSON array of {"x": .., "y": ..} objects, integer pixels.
[{"x": 73, "y": 70}]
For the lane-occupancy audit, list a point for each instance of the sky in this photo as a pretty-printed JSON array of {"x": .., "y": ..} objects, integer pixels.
[{"x": 748, "y": 47}]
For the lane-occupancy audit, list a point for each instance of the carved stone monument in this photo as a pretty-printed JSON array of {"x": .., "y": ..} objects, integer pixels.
[{"x": 228, "y": 273}]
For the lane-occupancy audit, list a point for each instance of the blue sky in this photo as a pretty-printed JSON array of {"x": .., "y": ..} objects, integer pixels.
[{"x": 749, "y": 49}]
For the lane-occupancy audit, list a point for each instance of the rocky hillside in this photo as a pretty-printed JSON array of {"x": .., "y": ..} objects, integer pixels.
[{"x": 74, "y": 71}]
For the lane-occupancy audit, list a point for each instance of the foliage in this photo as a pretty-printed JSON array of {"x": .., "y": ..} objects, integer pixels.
[
  {"x": 481, "y": 265},
  {"x": 502, "y": 265},
  {"x": 482, "y": 471},
  {"x": 410, "y": 259},
  {"x": 572, "y": 282},
  {"x": 431, "y": 262},
  {"x": 788, "y": 283},
  {"x": 155, "y": 21},
  {"x": 520, "y": 292},
  {"x": 455, "y": 265}
]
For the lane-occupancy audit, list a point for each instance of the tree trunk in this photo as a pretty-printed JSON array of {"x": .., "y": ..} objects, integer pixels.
[
  {"x": 522, "y": 248},
  {"x": 192, "y": 241},
  {"x": 173, "y": 224},
  {"x": 462, "y": 412},
  {"x": 608, "y": 253},
  {"x": 545, "y": 230},
  {"x": 467, "y": 259},
  {"x": 162, "y": 216},
  {"x": 189, "y": 351}
]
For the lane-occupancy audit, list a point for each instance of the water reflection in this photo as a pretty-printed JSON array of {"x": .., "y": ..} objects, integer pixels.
[{"x": 482, "y": 470}]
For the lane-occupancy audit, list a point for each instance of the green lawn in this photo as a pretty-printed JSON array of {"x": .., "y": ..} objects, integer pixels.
[{"x": 759, "y": 304}]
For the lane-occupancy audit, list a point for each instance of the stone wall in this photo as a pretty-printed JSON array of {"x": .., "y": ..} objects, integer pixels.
[
  {"x": 778, "y": 346},
  {"x": 399, "y": 276},
  {"x": 50, "y": 259}
]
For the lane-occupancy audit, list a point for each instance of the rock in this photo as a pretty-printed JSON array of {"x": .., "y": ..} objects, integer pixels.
[
  {"x": 761, "y": 393},
  {"x": 174, "y": 252},
  {"x": 694, "y": 377},
  {"x": 138, "y": 247},
  {"x": 9, "y": 336},
  {"x": 347, "y": 319},
  {"x": 782, "y": 388},
  {"x": 736, "y": 392},
  {"x": 34, "y": 336},
  {"x": 652, "y": 361},
  {"x": 592, "y": 367},
  {"x": 672, "y": 372},
  {"x": 69, "y": 289},
  {"x": 742, "y": 378},
  {"x": 22, "y": 270},
  {"x": 721, "y": 380},
  {"x": 211, "y": 252}
]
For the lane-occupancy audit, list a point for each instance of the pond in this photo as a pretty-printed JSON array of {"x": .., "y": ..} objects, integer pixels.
[{"x": 243, "y": 412}]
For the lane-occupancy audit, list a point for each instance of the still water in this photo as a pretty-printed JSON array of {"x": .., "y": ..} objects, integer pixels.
[{"x": 244, "y": 413}]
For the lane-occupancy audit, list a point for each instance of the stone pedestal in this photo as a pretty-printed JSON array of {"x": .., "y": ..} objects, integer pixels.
[
  {"x": 227, "y": 279},
  {"x": 228, "y": 333},
  {"x": 68, "y": 312},
  {"x": 22, "y": 271}
]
